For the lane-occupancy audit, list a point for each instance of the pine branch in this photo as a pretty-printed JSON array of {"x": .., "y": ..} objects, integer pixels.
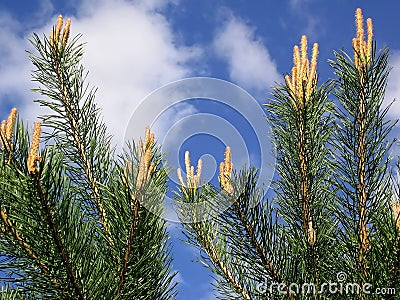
[
  {"x": 57, "y": 239},
  {"x": 7, "y": 147},
  {"x": 248, "y": 225},
  {"x": 75, "y": 124},
  {"x": 11, "y": 161},
  {"x": 65, "y": 88},
  {"x": 79, "y": 229},
  {"x": 14, "y": 167},
  {"x": 361, "y": 174},
  {"x": 300, "y": 116},
  {"x": 202, "y": 233},
  {"x": 136, "y": 197},
  {"x": 131, "y": 239},
  {"x": 363, "y": 147},
  {"x": 217, "y": 260},
  {"x": 11, "y": 228},
  {"x": 236, "y": 240},
  {"x": 142, "y": 265}
]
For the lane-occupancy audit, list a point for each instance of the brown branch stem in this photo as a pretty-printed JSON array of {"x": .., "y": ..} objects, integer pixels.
[
  {"x": 88, "y": 167},
  {"x": 217, "y": 261},
  {"x": 58, "y": 241},
  {"x": 305, "y": 186},
  {"x": 362, "y": 185},
  {"x": 260, "y": 251},
  {"x": 131, "y": 239}
]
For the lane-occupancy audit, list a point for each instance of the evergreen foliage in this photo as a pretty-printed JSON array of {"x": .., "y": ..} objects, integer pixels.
[
  {"x": 332, "y": 229},
  {"x": 73, "y": 224}
]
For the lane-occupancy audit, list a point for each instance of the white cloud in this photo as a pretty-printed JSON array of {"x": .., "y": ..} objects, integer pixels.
[
  {"x": 176, "y": 113},
  {"x": 393, "y": 93},
  {"x": 393, "y": 86},
  {"x": 14, "y": 67},
  {"x": 130, "y": 51},
  {"x": 44, "y": 11},
  {"x": 250, "y": 64}
]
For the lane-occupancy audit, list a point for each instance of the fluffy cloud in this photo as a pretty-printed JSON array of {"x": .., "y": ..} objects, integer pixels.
[
  {"x": 393, "y": 93},
  {"x": 130, "y": 51},
  {"x": 250, "y": 64},
  {"x": 393, "y": 87},
  {"x": 14, "y": 66}
]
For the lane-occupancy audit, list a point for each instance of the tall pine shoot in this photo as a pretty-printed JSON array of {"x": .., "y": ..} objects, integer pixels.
[
  {"x": 72, "y": 221},
  {"x": 367, "y": 228}
]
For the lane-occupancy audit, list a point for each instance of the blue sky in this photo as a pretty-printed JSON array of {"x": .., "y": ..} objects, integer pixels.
[{"x": 135, "y": 47}]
